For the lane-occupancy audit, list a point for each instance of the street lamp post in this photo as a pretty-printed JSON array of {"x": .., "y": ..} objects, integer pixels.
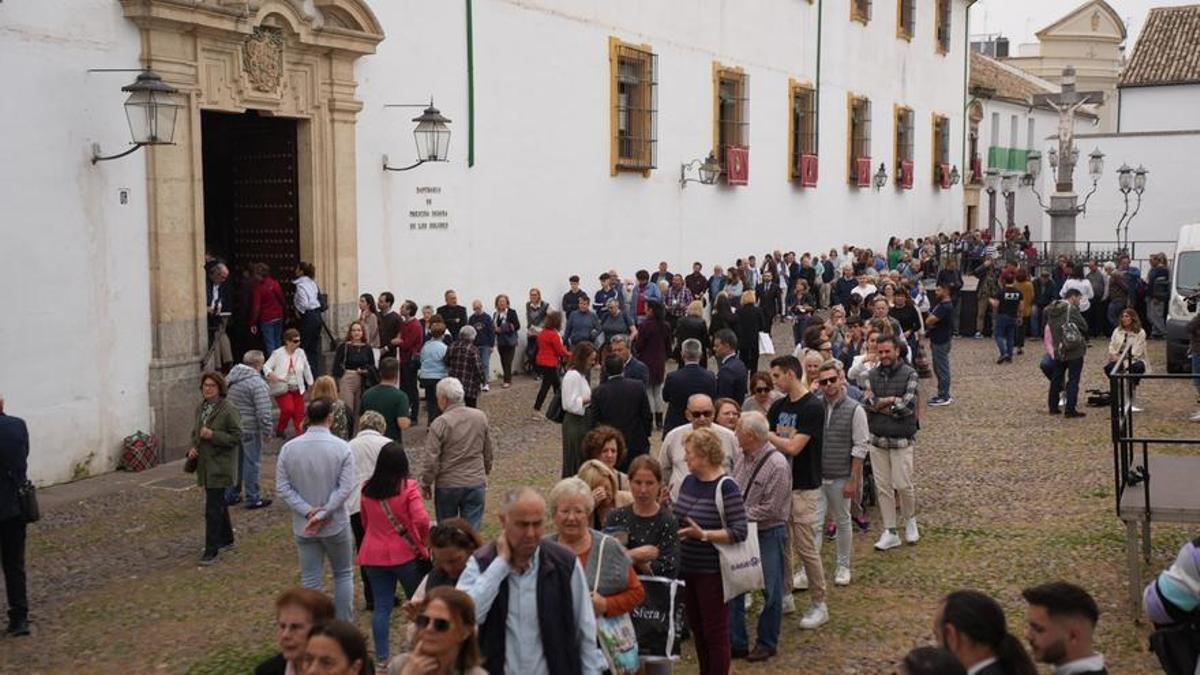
[
  {"x": 1129, "y": 180},
  {"x": 150, "y": 111},
  {"x": 1009, "y": 190},
  {"x": 991, "y": 182}
]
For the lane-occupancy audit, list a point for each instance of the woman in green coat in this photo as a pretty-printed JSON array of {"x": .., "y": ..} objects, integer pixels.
[{"x": 215, "y": 444}]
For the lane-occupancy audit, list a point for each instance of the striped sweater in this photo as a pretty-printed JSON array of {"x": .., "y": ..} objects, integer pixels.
[
  {"x": 1175, "y": 594},
  {"x": 697, "y": 501}
]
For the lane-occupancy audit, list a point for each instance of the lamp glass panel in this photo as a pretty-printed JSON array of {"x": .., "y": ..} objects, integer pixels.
[
  {"x": 708, "y": 173},
  {"x": 138, "y": 111},
  {"x": 1033, "y": 164},
  {"x": 1125, "y": 179},
  {"x": 1053, "y": 157},
  {"x": 991, "y": 180},
  {"x": 433, "y": 140},
  {"x": 1139, "y": 180},
  {"x": 166, "y": 108},
  {"x": 1009, "y": 182},
  {"x": 1095, "y": 165}
]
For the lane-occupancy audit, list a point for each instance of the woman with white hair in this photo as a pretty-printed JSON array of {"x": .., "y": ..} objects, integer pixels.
[
  {"x": 364, "y": 451},
  {"x": 607, "y": 568},
  {"x": 463, "y": 363}
]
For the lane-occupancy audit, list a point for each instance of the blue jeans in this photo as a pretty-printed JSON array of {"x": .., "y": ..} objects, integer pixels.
[
  {"x": 272, "y": 335},
  {"x": 485, "y": 360},
  {"x": 1069, "y": 370},
  {"x": 941, "y": 366},
  {"x": 1004, "y": 329},
  {"x": 1196, "y": 371},
  {"x": 383, "y": 587},
  {"x": 466, "y": 502},
  {"x": 339, "y": 548},
  {"x": 772, "y": 546},
  {"x": 251, "y": 468}
]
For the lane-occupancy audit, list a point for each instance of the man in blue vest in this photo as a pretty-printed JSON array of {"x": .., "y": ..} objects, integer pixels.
[{"x": 532, "y": 603}]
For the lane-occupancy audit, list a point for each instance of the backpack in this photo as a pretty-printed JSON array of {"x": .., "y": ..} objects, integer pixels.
[{"x": 1072, "y": 338}]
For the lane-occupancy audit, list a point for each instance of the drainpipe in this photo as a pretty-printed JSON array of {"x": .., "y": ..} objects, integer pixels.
[
  {"x": 966, "y": 81},
  {"x": 817, "y": 95},
  {"x": 470, "y": 87}
]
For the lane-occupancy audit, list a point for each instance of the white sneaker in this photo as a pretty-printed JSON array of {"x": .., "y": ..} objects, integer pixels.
[
  {"x": 887, "y": 540},
  {"x": 1194, "y": 417},
  {"x": 486, "y": 388},
  {"x": 1062, "y": 400},
  {"x": 911, "y": 534},
  {"x": 789, "y": 604},
  {"x": 800, "y": 580},
  {"x": 816, "y": 616},
  {"x": 841, "y": 577},
  {"x": 1135, "y": 408},
  {"x": 749, "y": 601}
]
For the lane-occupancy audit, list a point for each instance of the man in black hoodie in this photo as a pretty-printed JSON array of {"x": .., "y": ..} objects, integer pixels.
[{"x": 14, "y": 457}]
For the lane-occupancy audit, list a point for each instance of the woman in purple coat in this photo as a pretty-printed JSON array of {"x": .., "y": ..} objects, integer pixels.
[{"x": 651, "y": 345}]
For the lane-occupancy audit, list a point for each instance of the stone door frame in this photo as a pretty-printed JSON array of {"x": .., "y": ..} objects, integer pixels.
[{"x": 283, "y": 57}]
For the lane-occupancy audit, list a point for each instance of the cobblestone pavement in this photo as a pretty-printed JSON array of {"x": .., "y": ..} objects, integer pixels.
[{"x": 1008, "y": 497}]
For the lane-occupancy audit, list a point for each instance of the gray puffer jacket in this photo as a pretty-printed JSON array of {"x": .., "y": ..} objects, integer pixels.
[{"x": 249, "y": 394}]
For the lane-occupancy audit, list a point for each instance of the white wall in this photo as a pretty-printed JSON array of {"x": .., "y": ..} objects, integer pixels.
[
  {"x": 75, "y": 339},
  {"x": 1169, "y": 200},
  {"x": 1171, "y": 108},
  {"x": 540, "y": 204}
]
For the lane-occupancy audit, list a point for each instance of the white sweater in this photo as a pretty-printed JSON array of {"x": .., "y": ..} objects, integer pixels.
[
  {"x": 1137, "y": 345},
  {"x": 1084, "y": 287},
  {"x": 576, "y": 392},
  {"x": 278, "y": 366}
]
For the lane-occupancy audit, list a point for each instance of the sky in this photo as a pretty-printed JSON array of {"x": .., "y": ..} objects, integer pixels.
[{"x": 1018, "y": 20}]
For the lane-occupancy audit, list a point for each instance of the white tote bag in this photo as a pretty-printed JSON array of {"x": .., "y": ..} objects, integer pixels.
[
  {"x": 765, "y": 346},
  {"x": 741, "y": 564}
]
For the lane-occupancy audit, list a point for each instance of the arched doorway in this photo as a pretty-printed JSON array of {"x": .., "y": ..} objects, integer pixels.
[{"x": 289, "y": 61}]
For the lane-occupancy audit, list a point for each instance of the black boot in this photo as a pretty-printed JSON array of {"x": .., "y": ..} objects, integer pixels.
[{"x": 18, "y": 627}]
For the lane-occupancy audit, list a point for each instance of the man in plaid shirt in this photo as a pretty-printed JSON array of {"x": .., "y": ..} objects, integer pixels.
[
  {"x": 462, "y": 363},
  {"x": 677, "y": 300},
  {"x": 891, "y": 401}
]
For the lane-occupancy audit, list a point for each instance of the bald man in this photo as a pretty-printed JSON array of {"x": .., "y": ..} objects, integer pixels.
[{"x": 700, "y": 413}]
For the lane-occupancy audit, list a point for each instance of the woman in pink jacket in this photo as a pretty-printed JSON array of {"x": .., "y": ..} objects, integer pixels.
[{"x": 395, "y": 546}]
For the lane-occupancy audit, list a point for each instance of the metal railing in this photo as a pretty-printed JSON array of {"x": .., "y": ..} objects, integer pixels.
[
  {"x": 1081, "y": 251},
  {"x": 1125, "y": 440}
]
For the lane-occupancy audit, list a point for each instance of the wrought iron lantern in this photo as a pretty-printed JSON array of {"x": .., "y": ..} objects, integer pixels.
[
  {"x": 432, "y": 136},
  {"x": 150, "y": 110}
]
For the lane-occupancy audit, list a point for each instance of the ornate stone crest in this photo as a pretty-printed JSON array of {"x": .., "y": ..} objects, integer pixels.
[{"x": 262, "y": 58}]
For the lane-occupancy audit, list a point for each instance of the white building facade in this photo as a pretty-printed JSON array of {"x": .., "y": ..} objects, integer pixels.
[{"x": 102, "y": 262}]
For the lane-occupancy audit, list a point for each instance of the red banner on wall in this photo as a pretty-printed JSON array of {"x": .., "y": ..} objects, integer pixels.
[{"x": 737, "y": 165}]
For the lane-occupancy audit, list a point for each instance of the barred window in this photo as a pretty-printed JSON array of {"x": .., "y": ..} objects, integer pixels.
[
  {"x": 941, "y": 145},
  {"x": 731, "y": 91},
  {"x": 943, "y": 25},
  {"x": 904, "y": 135},
  {"x": 802, "y": 126},
  {"x": 634, "y": 84},
  {"x": 860, "y": 10},
  {"x": 906, "y": 21},
  {"x": 860, "y": 134}
]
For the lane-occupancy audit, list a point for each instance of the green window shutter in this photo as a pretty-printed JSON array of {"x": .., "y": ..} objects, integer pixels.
[{"x": 997, "y": 157}]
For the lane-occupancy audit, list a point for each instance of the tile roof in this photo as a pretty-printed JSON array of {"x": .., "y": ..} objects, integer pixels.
[
  {"x": 1168, "y": 50},
  {"x": 1004, "y": 81}
]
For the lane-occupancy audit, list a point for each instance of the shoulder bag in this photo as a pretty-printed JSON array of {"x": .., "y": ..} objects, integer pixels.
[
  {"x": 615, "y": 635},
  {"x": 27, "y": 503},
  {"x": 424, "y": 564},
  {"x": 741, "y": 564}
]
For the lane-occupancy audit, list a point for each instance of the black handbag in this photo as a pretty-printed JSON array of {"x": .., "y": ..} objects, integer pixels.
[
  {"x": 554, "y": 411},
  {"x": 27, "y": 502}
]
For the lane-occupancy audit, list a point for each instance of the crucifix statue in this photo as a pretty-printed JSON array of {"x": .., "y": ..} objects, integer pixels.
[
  {"x": 1064, "y": 206},
  {"x": 1067, "y": 104}
]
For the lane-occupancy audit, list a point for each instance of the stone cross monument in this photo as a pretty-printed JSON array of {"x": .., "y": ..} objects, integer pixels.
[{"x": 1064, "y": 201}]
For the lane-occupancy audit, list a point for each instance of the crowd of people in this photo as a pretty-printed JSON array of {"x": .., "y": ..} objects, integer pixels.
[{"x": 760, "y": 451}]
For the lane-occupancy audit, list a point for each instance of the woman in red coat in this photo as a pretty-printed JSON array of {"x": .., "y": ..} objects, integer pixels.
[
  {"x": 395, "y": 545},
  {"x": 651, "y": 345},
  {"x": 550, "y": 353},
  {"x": 266, "y": 310}
]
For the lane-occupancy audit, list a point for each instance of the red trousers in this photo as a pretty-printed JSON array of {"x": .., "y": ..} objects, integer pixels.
[
  {"x": 291, "y": 409},
  {"x": 708, "y": 617}
]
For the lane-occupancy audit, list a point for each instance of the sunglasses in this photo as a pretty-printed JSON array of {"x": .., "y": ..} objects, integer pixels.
[
  {"x": 701, "y": 413},
  {"x": 294, "y": 342},
  {"x": 827, "y": 381},
  {"x": 762, "y": 390},
  {"x": 439, "y": 625}
]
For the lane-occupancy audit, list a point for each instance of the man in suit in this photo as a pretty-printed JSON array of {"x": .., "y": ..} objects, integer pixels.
[
  {"x": 769, "y": 298},
  {"x": 14, "y": 455},
  {"x": 692, "y": 378},
  {"x": 633, "y": 369},
  {"x": 732, "y": 374},
  {"x": 1061, "y": 620},
  {"x": 219, "y": 298},
  {"x": 621, "y": 403}
]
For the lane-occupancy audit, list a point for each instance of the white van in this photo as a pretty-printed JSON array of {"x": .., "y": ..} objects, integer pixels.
[{"x": 1185, "y": 292}]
